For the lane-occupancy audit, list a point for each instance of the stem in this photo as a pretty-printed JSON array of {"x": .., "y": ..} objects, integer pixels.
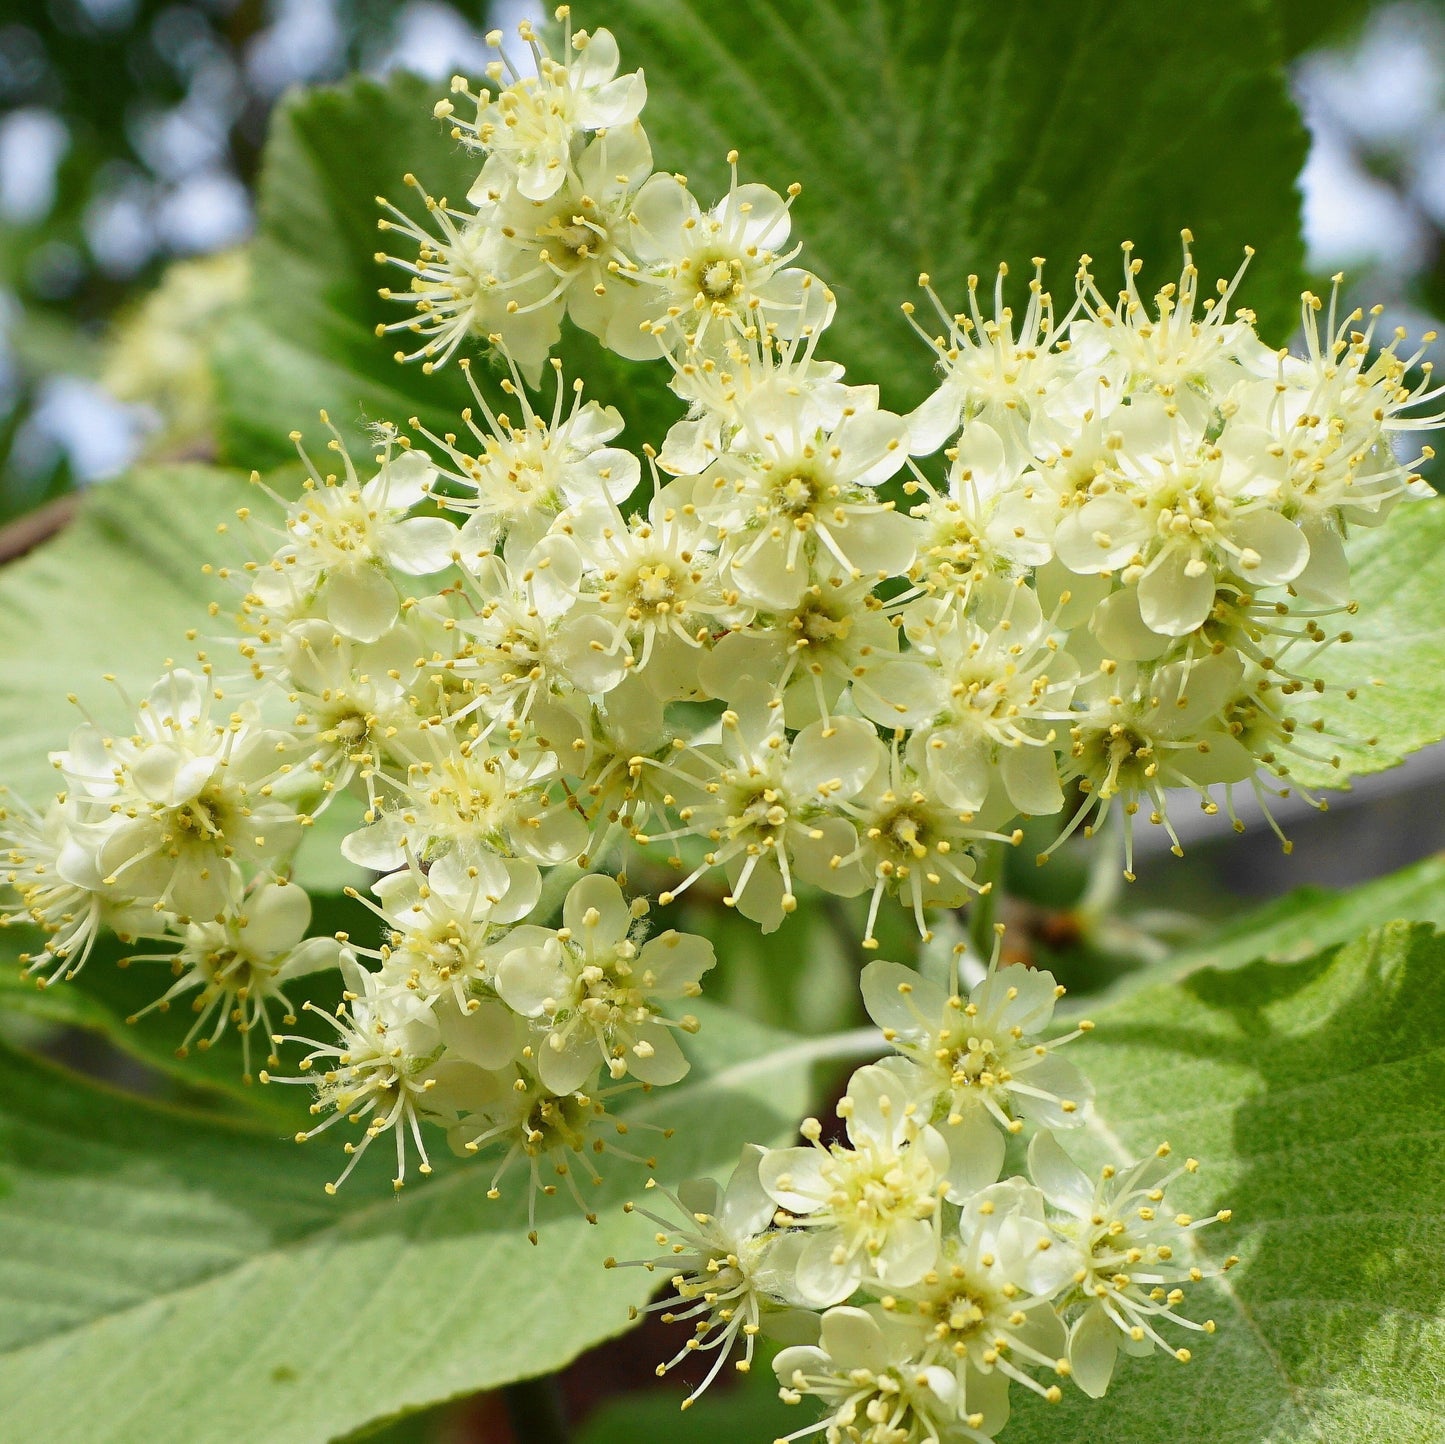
[
  {"x": 534, "y": 1410},
  {"x": 984, "y": 911}
]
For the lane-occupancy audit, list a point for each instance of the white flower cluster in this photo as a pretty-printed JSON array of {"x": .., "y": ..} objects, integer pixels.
[
  {"x": 798, "y": 654},
  {"x": 567, "y": 219},
  {"x": 911, "y": 1284}
]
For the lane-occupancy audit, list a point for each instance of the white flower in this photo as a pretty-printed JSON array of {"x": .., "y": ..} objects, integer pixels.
[
  {"x": 983, "y": 694},
  {"x": 651, "y": 579},
  {"x": 992, "y": 521},
  {"x": 619, "y": 758},
  {"x": 469, "y": 282},
  {"x": 386, "y": 1041},
  {"x": 912, "y": 844},
  {"x": 1166, "y": 731},
  {"x": 595, "y": 992},
  {"x": 557, "y": 1134},
  {"x": 523, "y": 473},
  {"x": 875, "y": 1390},
  {"x": 705, "y": 276},
  {"x": 723, "y": 1265},
  {"x": 765, "y": 803},
  {"x": 1129, "y": 1251},
  {"x": 1180, "y": 516},
  {"x": 437, "y": 940},
  {"x": 797, "y": 498},
  {"x": 239, "y": 964},
  {"x": 835, "y": 637},
  {"x": 872, "y": 1207},
  {"x": 528, "y": 127},
  {"x": 989, "y": 373},
  {"x": 163, "y": 814},
  {"x": 1185, "y": 357},
  {"x": 57, "y": 879},
  {"x": 577, "y": 240},
  {"x": 986, "y": 1312},
  {"x": 354, "y": 701},
  {"x": 984, "y": 1058},
  {"x": 344, "y": 537},
  {"x": 481, "y": 821}
]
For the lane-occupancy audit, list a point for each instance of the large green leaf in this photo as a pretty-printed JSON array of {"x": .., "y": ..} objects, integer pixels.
[
  {"x": 1311, "y": 1094},
  {"x": 167, "y": 1279},
  {"x": 949, "y": 135},
  {"x": 1395, "y": 665},
  {"x": 937, "y": 136}
]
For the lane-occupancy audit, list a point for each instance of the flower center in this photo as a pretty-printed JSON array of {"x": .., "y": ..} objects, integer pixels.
[{"x": 719, "y": 279}]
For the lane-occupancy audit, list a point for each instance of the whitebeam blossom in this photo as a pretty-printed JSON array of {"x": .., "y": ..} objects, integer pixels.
[{"x": 534, "y": 671}]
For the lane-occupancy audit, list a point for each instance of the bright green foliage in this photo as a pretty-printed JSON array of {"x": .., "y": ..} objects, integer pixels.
[
  {"x": 1396, "y": 662},
  {"x": 979, "y": 133},
  {"x": 166, "y": 1276},
  {"x": 1313, "y": 918},
  {"x": 1311, "y": 1094}
]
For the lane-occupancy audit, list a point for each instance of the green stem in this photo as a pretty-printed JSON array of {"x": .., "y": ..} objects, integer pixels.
[
  {"x": 984, "y": 910},
  {"x": 535, "y": 1412}
]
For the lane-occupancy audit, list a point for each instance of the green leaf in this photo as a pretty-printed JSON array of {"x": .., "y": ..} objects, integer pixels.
[
  {"x": 306, "y": 337},
  {"x": 1311, "y": 1095},
  {"x": 1395, "y": 666},
  {"x": 168, "y": 1278},
  {"x": 114, "y": 594},
  {"x": 949, "y": 135},
  {"x": 105, "y": 997},
  {"x": 1311, "y": 919},
  {"x": 936, "y": 136}
]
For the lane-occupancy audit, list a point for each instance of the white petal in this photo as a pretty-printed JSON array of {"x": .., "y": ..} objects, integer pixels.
[
  {"x": 600, "y": 893},
  {"x": 1173, "y": 602},
  {"x": 833, "y": 760},
  {"x": 854, "y": 1340},
  {"x": 360, "y": 603},
  {"x": 1279, "y": 544},
  {"x": 793, "y": 1178},
  {"x": 1121, "y": 631},
  {"x": 1031, "y": 779},
  {"x": 565, "y": 1070},
  {"x": 1326, "y": 578},
  {"x": 899, "y": 999},
  {"x": 529, "y": 978},
  {"x": 1065, "y": 1184},
  {"x": 874, "y": 446},
  {"x": 976, "y": 1148},
  {"x": 1093, "y": 1349},
  {"x": 659, "y": 1061},
  {"x": 277, "y": 916},
  {"x": 421, "y": 545},
  {"x": 909, "y": 1253}
]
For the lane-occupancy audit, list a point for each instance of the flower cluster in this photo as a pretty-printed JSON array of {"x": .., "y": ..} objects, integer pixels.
[
  {"x": 806, "y": 644},
  {"x": 912, "y": 1285},
  {"x": 568, "y": 220}
]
